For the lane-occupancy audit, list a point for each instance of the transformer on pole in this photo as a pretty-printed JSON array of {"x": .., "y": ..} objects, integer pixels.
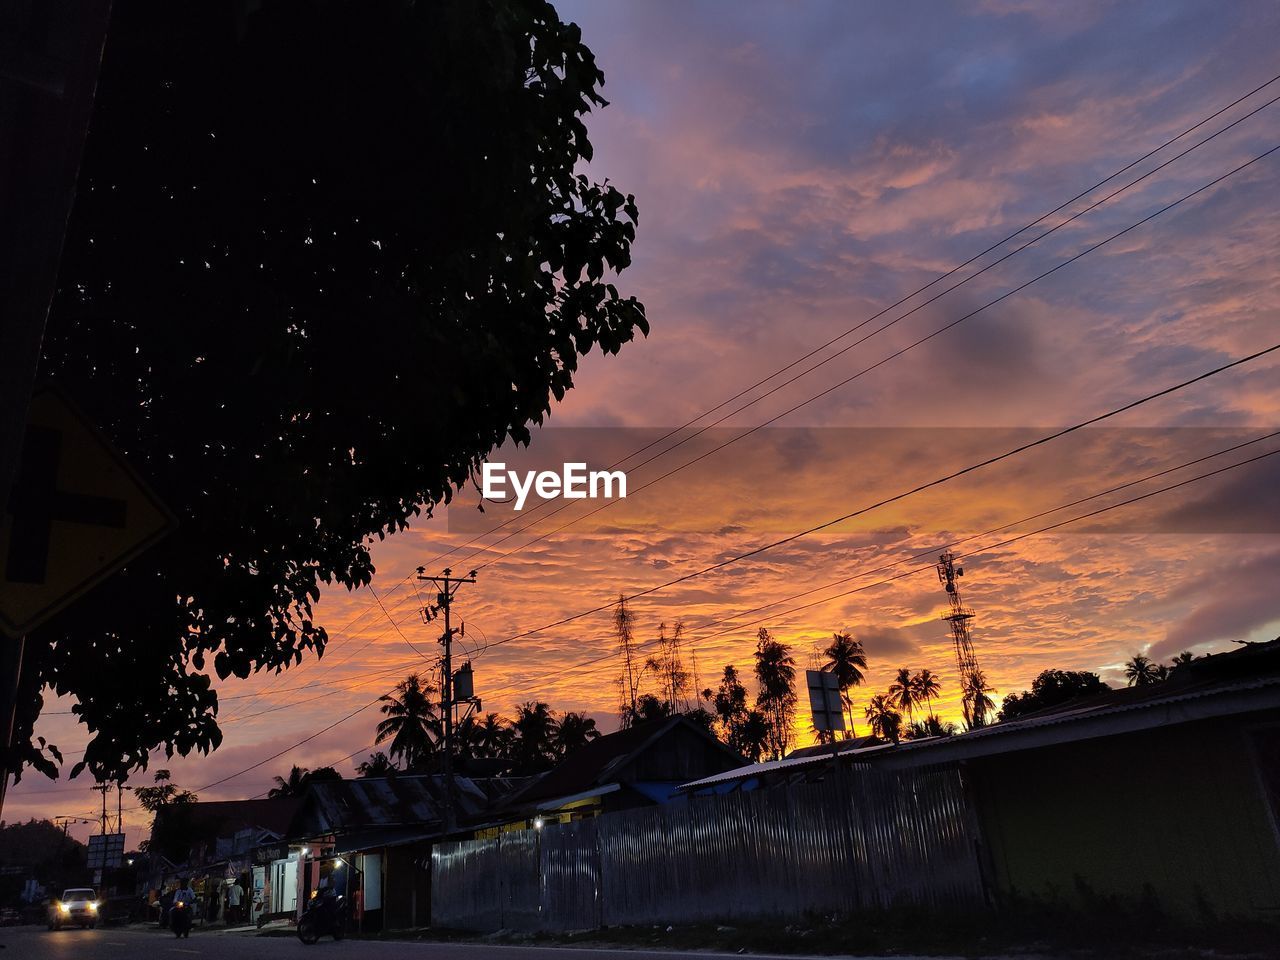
[{"x": 972, "y": 684}]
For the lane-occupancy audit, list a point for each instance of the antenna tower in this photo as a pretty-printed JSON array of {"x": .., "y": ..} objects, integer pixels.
[{"x": 966, "y": 659}]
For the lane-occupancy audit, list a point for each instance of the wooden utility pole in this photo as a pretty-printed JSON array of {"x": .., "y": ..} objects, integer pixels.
[{"x": 447, "y": 585}]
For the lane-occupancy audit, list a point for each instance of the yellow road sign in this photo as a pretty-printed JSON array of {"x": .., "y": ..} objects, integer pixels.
[{"x": 77, "y": 513}]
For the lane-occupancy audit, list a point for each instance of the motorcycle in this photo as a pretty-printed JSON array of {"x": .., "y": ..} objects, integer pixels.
[
  {"x": 180, "y": 919},
  {"x": 327, "y": 915}
]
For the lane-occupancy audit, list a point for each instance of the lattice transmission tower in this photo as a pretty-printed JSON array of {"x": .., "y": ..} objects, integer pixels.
[{"x": 972, "y": 684}]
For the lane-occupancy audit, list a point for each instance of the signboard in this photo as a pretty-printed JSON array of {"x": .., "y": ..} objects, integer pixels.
[
  {"x": 106, "y": 850},
  {"x": 77, "y": 513},
  {"x": 825, "y": 701}
]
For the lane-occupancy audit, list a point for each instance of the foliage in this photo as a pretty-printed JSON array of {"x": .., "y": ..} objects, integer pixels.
[
  {"x": 299, "y": 779},
  {"x": 847, "y": 659},
  {"x": 668, "y": 666},
  {"x": 411, "y": 724},
  {"x": 1049, "y": 689},
  {"x": 776, "y": 695},
  {"x": 319, "y": 267},
  {"x": 745, "y": 731},
  {"x": 977, "y": 699},
  {"x": 902, "y": 692},
  {"x": 172, "y": 830},
  {"x": 629, "y": 683},
  {"x": 574, "y": 731},
  {"x": 926, "y": 686},
  {"x": 377, "y": 765},
  {"x": 930, "y": 726},
  {"x": 886, "y": 722},
  {"x": 535, "y": 727},
  {"x": 1140, "y": 671}
]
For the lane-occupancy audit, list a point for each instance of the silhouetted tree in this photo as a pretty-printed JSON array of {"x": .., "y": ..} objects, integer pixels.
[
  {"x": 1182, "y": 659},
  {"x": 1139, "y": 671},
  {"x": 411, "y": 724},
  {"x": 575, "y": 730},
  {"x": 172, "y": 830},
  {"x": 668, "y": 666},
  {"x": 299, "y": 779},
  {"x": 533, "y": 748},
  {"x": 494, "y": 736},
  {"x": 629, "y": 684},
  {"x": 378, "y": 765},
  {"x": 977, "y": 696},
  {"x": 930, "y": 726},
  {"x": 925, "y": 686},
  {"x": 848, "y": 661},
  {"x": 1049, "y": 689},
  {"x": 744, "y": 731},
  {"x": 886, "y": 722},
  {"x": 776, "y": 696},
  {"x": 902, "y": 692},
  {"x": 299, "y": 226}
]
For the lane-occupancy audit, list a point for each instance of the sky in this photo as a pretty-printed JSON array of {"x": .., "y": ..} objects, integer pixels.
[{"x": 798, "y": 168}]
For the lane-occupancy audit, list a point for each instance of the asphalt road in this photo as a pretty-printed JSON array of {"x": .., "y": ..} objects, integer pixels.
[{"x": 36, "y": 943}]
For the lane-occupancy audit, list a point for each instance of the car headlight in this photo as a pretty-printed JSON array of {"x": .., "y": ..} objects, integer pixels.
[
  {"x": 65, "y": 908},
  {"x": 93, "y": 906}
]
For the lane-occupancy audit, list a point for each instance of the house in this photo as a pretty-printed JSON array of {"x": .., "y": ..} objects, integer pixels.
[
  {"x": 640, "y": 766},
  {"x": 215, "y": 842},
  {"x": 372, "y": 839},
  {"x": 1168, "y": 791}
]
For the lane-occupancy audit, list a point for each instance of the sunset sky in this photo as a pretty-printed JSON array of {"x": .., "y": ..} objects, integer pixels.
[{"x": 798, "y": 167}]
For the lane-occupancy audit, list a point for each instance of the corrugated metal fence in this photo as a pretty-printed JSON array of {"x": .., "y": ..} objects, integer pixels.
[{"x": 864, "y": 839}]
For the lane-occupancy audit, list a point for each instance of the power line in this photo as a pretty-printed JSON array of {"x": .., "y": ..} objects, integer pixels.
[
  {"x": 877, "y": 364},
  {"x": 928, "y": 555},
  {"x": 908, "y": 297},
  {"x": 1021, "y": 448}
]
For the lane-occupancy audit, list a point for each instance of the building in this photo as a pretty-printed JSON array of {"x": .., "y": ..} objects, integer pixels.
[
  {"x": 640, "y": 766},
  {"x": 1167, "y": 792},
  {"x": 372, "y": 839}
]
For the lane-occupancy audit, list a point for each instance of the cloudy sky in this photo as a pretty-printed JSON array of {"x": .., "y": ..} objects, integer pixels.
[{"x": 799, "y": 167}]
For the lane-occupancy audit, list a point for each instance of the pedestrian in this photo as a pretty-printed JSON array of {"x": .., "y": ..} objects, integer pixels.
[{"x": 235, "y": 894}]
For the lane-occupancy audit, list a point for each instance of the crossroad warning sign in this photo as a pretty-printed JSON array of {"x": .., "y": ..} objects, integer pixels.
[{"x": 77, "y": 513}]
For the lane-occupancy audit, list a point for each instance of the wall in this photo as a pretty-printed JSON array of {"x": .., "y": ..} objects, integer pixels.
[
  {"x": 1180, "y": 810},
  {"x": 872, "y": 839}
]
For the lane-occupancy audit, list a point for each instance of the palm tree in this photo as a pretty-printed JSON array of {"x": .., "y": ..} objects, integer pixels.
[
  {"x": 493, "y": 736},
  {"x": 411, "y": 723},
  {"x": 535, "y": 735},
  {"x": 925, "y": 686},
  {"x": 776, "y": 697},
  {"x": 575, "y": 730},
  {"x": 902, "y": 692},
  {"x": 885, "y": 721},
  {"x": 291, "y": 787},
  {"x": 847, "y": 660},
  {"x": 977, "y": 700},
  {"x": 378, "y": 765},
  {"x": 1182, "y": 659},
  {"x": 1140, "y": 671}
]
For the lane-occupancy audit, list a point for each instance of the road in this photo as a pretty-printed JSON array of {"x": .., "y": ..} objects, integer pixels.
[{"x": 35, "y": 943}]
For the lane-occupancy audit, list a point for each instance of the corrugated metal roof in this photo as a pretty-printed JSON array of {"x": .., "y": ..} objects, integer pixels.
[{"x": 404, "y": 800}]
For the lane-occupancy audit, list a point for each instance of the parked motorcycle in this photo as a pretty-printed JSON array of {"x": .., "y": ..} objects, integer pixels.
[
  {"x": 327, "y": 915},
  {"x": 180, "y": 919}
]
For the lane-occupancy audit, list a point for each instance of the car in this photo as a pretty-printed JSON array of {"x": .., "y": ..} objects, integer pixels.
[{"x": 78, "y": 905}]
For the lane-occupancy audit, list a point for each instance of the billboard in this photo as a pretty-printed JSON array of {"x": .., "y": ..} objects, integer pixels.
[
  {"x": 824, "y": 701},
  {"x": 106, "y": 850}
]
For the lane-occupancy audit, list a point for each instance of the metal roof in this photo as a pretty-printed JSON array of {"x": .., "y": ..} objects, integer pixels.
[
  {"x": 1199, "y": 699},
  {"x": 404, "y": 800}
]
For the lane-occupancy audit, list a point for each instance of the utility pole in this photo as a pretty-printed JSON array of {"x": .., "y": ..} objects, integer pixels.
[{"x": 446, "y": 585}]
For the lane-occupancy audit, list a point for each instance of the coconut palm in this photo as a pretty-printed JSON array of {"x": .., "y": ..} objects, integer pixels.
[
  {"x": 977, "y": 700},
  {"x": 902, "y": 692},
  {"x": 493, "y": 736},
  {"x": 776, "y": 697},
  {"x": 411, "y": 722},
  {"x": 847, "y": 660},
  {"x": 292, "y": 786},
  {"x": 533, "y": 748},
  {"x": 1140, "y": 671},
  {"x": 926, "y": 686},
  {"x": 886, "y": 722},
  {"x": 1182, "y": 659},
  {"x": 574, "y": 731}
]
